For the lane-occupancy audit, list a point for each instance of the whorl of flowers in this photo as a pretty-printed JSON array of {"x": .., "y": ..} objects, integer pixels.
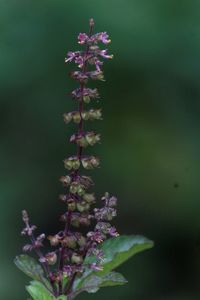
[{"x": 70, "y": 246}]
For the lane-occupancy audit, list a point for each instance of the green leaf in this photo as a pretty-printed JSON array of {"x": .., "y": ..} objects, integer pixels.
[
  {"x": 31, "y": 268},
  {"x": 94, "y": 283},
  {"x": 116, "y": 251},
  {"x": 39, "y": 292}
]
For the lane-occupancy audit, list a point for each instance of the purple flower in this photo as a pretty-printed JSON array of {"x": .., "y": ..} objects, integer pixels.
[
  {"x": 96, "y": 267},
  {"x": 80, "y": 61},
  {"x": 27, "y": 247},
  {"x": 28, "y": 230},
  {"x": 68, "y": 270},
  {"x": 104, "y": 38},
  {"x": 96, "y": 236},
  {"x": 103, "y": 53},
  {"x": 71, "y": 56},
  {"x": 82, "y": 38},
  {"x": 113, "y": 232}
]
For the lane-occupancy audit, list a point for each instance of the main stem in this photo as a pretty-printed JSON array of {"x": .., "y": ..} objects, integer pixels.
[{"x": 75, "y": 173}]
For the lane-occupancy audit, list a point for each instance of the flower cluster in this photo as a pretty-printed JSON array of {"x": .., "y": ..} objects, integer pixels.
[{"x": 71, "y": 245}]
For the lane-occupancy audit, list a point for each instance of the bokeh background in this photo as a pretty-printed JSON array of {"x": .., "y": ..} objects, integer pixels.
[{"x": 150, "y": 134}]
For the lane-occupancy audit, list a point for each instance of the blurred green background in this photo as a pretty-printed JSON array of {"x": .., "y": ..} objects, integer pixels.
[{"x": 150, "y": 134}]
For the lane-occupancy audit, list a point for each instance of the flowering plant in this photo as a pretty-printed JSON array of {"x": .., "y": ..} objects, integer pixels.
[{"x": 80, "y": 259}]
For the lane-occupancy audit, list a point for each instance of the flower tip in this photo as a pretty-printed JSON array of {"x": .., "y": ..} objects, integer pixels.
[{"x": 91, "y": 22}]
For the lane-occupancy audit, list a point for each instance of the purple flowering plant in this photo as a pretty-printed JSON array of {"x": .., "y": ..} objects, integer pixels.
[{"x": 78, "y": 259}]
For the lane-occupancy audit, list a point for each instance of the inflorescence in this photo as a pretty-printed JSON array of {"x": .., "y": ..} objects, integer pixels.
[{"x": 70, "y": 246}]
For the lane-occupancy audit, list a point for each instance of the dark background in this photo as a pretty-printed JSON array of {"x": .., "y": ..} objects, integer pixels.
[{"x": 150, "y": 134}]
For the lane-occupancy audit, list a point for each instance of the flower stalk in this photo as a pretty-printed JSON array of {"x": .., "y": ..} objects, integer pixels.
[{"x": 72, "y": 245}]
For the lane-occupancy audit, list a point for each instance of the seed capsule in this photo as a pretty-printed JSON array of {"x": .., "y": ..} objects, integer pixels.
[{"x": 77, "y": 259}]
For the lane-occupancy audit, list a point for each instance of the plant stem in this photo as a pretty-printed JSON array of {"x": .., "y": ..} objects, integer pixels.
[{"x": 80, "y": 131}]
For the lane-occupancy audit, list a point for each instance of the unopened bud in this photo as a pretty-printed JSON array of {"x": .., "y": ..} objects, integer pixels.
[{"x": 25, "y": 217}]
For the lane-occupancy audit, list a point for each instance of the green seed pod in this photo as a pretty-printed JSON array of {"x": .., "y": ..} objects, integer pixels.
[
  {"x": 68, "y": 164},
  {"x": 82, "y": 142},
  {"x": 86, "y": 99},
  {"x": 54, "y": 240},
  {"x": 71, "y": 206},
  {"x": 94, "y": 161},
  {"x": 86, "y": 164},
  {"x": 76, "y": 259},
  {"x": 76, "y": 164},
  {"x": 51, "y": 258},
  {"x": 97, "y": 114},
  {"x": 80, "y": 190},
  {"x": 67, "y": 117},
  {"x": 81, "y": 241},
  {"x": 69, "y": 241},
  {"x": 85, "y": 115},
  {"x": 66, "y": 180},
  {"x": 73, "y": 187},
  {"x": 80, "y": 207},
  {"x": 76, "y": 117},
  {"x": 90, "y": 198},
  {"x": 90, "y": 137}
]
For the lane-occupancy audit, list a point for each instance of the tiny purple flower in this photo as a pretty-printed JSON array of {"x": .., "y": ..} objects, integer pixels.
[
  {"x": 82, "y": 38},
  {"x": 95, "y": 267},
  {"x": 104, "y": 38},
  {"x": 104, "y": 54}
]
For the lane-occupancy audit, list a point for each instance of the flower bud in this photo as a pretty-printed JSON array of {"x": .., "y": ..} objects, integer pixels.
[
  {"x": 76, "y": 259},
  {"x": 25, "y": 217},
  {"x": 51, "y": 258}
]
